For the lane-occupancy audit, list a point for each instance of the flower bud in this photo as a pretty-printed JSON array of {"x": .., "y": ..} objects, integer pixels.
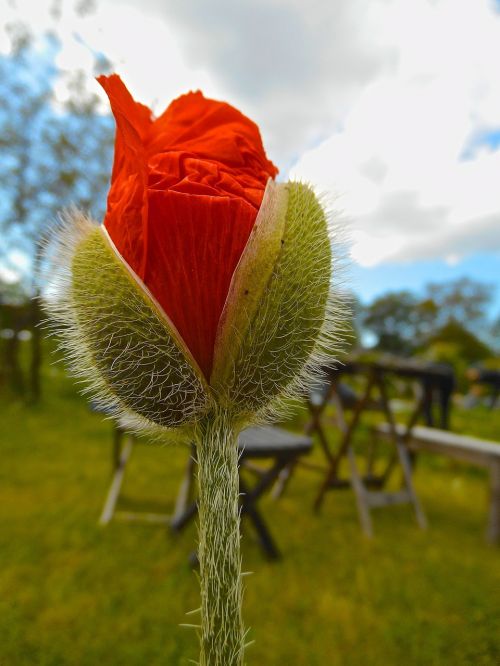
[{"x": 208, "y": 285}]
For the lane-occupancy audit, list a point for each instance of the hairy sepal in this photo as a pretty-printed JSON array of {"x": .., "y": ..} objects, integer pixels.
[
  {"x": 249, "y": 283},
  {"x": 288, "y": 332},
  {"x": 119, "y": 341}
]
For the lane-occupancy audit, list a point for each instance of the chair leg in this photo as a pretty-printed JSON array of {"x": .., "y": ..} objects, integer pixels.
[
  {"x": 361, "y": 496},
  {"x": 116, "y": 483}
]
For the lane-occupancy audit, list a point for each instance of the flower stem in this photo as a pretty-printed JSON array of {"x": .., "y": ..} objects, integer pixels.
[{"x": 222, "y": 631}]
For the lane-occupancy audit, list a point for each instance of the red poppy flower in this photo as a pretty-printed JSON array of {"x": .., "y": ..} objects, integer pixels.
[{"x": 185, "y": 191}]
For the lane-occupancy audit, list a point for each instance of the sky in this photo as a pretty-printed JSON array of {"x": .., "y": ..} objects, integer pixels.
[{"x": 391, "y": 109}]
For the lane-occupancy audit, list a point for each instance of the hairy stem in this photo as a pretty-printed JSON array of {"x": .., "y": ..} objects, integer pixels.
[{"x": 222, "y": 631}]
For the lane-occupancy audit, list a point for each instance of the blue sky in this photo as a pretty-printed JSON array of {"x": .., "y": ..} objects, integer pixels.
[{"x": 371, "y": 282}]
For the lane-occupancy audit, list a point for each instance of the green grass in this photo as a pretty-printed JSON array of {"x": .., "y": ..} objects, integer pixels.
[{"x": 74, "y": 593}]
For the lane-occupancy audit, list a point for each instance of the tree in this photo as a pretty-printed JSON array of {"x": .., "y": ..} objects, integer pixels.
[
  {"x": 495, "y": 335},
  {"x": 53, "y": 155},
  {"x": 455, "y": 345},
  {"x": 399, "y": 321},
  {"x": 463, "y": 300},
  {"x": 404, "y": 323}
]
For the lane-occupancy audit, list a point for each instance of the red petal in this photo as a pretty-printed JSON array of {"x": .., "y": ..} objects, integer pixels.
[
  {"x": 212, "y": 130},
  {"x": 185, "y": 193},
  {"x": 127, "y": 212},
  {"x": 133, "y": 120},
  {"x": 195, "y": 245}
]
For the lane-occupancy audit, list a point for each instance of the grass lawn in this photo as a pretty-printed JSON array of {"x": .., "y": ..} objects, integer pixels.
[{"x": 74, "y": 593}]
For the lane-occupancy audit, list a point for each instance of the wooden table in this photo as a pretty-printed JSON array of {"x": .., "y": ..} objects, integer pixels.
[
  {"x": 276, "y": 445},
  {"x": 257, "y": 443},
  {"x": 369, "y": 488}
]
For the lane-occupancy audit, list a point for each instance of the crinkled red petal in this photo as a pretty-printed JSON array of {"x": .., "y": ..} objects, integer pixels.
[{"x": 185, "y": 192}]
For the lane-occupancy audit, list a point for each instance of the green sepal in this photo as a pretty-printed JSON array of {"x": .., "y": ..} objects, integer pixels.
[
  {"x": 275, "y": 334},
  {"x": 249, "y": 282},
  {"x": 136, "y": 351}
]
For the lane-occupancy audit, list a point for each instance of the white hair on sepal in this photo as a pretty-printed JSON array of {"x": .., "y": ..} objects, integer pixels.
[
  {"x": 139, "y": 355},
  {"x": 290, "y": 341},
  {"x": 334, "y": 331},
  {"x": 60, "y": 246}
]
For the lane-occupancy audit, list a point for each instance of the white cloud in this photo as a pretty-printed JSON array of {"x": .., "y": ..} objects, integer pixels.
[
  {"x": 142, "y": 48},
  {"x": 374, "y": 101},
  {"x": 295, "y": 67},
  {"x": 397, "y": 162},
  {"x": 145, "y": 51},
  {"x": 8, "y": 276}
]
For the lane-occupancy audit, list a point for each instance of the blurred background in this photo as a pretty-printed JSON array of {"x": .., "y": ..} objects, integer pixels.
[{"x": 392, "y": 110}]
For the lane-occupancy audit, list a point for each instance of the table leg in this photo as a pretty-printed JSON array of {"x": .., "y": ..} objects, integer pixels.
[
  {"x": 347, "y": 432},
  {"x": 393, "y": 433},
  {"x": 404, "y": 459},
  {"x": 249, "y": 508},
  {"x": 360, "y": 493},
  {"x": 182, "y": 519},
  {"x": 117, "y": 446},
  {"x": 283, "y": 479}
]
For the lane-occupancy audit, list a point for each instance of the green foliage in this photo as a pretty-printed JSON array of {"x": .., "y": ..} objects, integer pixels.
[
  {"x": 12, "y": 293},
  {"x": 453, "y": 312},
  {"x": 463, "y": 300},
  {"x": 455, "y": 345},
  {"x": 74, "y": 594},
  {"x": 467, "y": 346},
  {"x": 394, "y": 321}
]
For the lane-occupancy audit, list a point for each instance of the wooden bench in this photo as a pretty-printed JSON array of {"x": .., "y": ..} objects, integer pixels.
[{"x": 471, "y": 450}]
